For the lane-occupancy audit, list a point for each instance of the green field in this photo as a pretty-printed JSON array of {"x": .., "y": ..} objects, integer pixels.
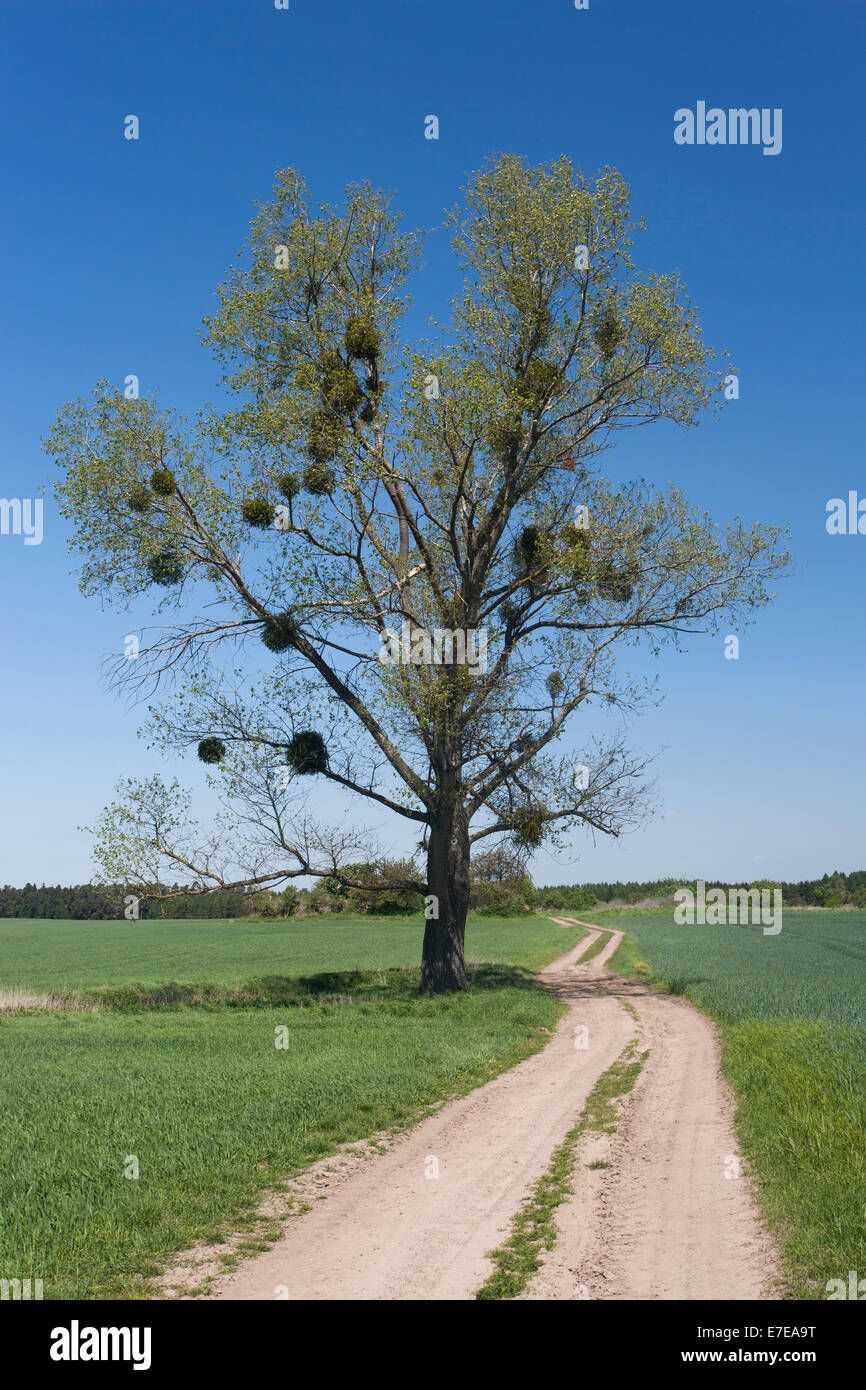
[
  {"x": 201, "y": 1097},
  {"x": 49, "y": 955},
  {"x": 792, "y": 1012}
]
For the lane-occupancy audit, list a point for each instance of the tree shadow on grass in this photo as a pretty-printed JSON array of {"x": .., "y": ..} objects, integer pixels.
[{"x": 386, "y": 986}]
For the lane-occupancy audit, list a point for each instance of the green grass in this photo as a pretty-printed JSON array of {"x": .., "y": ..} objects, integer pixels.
[
  {"x": 211, "y": 1109},
  {"x": 534, "y": 1228},
  {"x": 792, "y": 1015},
  {"x": 55, "y": 955}
]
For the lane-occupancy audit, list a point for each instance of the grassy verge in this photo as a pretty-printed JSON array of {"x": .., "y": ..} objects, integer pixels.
[
  {"x": 534, "y": 1227},
  {"x": 801, "y": 1120}
]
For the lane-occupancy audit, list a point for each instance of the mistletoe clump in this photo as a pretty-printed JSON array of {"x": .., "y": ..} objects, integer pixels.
[
  {"x": 532, "y": 555},
  {"x": 578, "y": 550},
  {"x": 211, "y": 750},
  {"x": 140, "y": 498},
  {"x": 279, "y": 633},
  {"x": 363, "y": 338},
  {"x": 318, "y": 479},
  {"x": 162, "y": 481},
  {"x": 503, "y": 439},
  {"x": 288, "y": 485},
  {"x": 608, "y": 333},
  {"x": 616, "y": 584},
  {"x": 528, "y": 826},
  {"x": 341, "y": 388},
  {"x": 534, "y": 387},
  {"x": 307, "y": 753},
  {"x": 166, "y": 568},
  {"x": 257, "y": 512},
  {"x": 326, "y": 436}
]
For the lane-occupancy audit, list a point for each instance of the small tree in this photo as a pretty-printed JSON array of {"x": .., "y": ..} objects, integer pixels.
[
  {"x": 366, "y": 493},
  {"x": 498, "y": 882}
]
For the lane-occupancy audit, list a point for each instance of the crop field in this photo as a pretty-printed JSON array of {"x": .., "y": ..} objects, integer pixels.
[
  {"x": 199, "y": 1100},
  {"x": 53, "y": 955},
  {"x": 792, "y": 1011}
]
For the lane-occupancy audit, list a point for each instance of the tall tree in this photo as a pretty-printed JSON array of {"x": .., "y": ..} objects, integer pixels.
[{"x": 365, "y": 493}]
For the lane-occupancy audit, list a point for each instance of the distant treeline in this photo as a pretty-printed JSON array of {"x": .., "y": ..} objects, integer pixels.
[
  {"x": 832, "y": 890},
  {"x": 92, "y": 902},
  {"x": 88, "y": 901}
]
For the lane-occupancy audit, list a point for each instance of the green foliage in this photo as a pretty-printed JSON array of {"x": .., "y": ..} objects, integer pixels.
[
  {"x": 555, "y": 684},
  {"x": 537, "y": 383},
  {"x": 163, "y": 482},
  {"x": 389, "y": 899},
  {"x": 140, "y": 499},
  {"x": 609, "y": 332},
  {"x": 533, "y": 555},
  {"x": 319, "y": 479},
  {"x": 363, "y": 339},
  {"x": 289, "y": 485},
  {"x": 342, "y": 390},
  {"x": 290, "y": 900},
  {"x": 578, "y": 552},
  {"x": 256, "y": 511},
  {"x": 503, "y": 438},
  {"x": 327, "y": 433},
  {"x": 616, "y": 584},
  {"x": 528, "y": 827}
]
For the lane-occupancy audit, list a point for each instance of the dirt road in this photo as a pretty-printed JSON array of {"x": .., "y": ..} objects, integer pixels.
[{"x": 661, "y": 1220}]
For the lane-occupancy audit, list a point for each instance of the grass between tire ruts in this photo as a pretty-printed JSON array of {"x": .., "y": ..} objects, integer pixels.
[{"x": 534, "y": 1227}]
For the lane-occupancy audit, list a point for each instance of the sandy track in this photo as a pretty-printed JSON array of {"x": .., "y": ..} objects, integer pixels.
[
  {"x": 387, "y": 1231},
  {"x": 660, "y": 1220},
  {"x": 672, "y": 1216}
]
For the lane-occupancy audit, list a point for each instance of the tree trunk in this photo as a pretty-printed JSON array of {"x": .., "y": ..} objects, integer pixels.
[{"x": 442, "y": 963}]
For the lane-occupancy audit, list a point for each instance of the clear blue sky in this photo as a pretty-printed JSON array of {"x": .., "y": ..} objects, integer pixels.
[{"x": 111, "y": 250}]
